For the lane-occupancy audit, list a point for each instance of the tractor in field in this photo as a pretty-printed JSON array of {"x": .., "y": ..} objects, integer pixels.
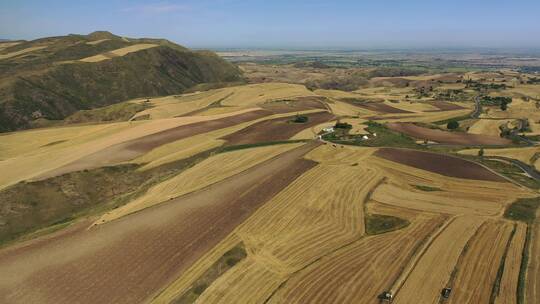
[{"x": 386, "y": 297}]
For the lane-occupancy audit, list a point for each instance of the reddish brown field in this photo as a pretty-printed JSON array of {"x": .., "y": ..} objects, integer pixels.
[
  {"x": 130, "y": 259},
  {"x": 445, "y": 137},
  {"x": 438, "y": 163},
  {"x": 275, "y": 129},
  {"x": 446, "y": 106}
]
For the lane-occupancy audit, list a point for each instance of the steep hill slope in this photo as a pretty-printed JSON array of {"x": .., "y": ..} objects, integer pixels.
[{"x": 51, "y": 78}]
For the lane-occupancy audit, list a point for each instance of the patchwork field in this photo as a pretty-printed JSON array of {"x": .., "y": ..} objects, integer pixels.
[{"x": 271, "y": 192}]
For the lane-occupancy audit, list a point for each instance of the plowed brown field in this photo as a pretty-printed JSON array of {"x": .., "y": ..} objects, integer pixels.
[
  {"x": 444, "y": 137},
  {"x": 440, "y": 164}
]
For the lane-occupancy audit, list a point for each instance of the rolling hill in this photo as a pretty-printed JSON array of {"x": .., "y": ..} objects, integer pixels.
[{"x": 51, "y": 78}]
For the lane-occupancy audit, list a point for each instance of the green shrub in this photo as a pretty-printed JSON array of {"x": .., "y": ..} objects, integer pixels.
[
  {"x": 343, "y": 125},
  {"x": 452, "y": 125},
  {"x": 300, "y": 119}
]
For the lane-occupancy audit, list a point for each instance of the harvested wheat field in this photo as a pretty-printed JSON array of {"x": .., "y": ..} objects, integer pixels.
[
  {"x": 275, "y": 129},
  {"x": 444, "y": 137},
  {"x": 477, "y": 267},
  {"x": 508, "y": 289},
  {"x": 434, "y": 267},
  {"x": 532, "y": 283},
  {"x": 488, "y": 127},
  {"x": 146, "y": 250},
  {"x": 352, "y": 274},
  {"x": 437, "y": 163}
]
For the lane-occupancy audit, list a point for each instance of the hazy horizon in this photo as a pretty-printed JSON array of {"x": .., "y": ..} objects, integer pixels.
[{"x": 417, "y": 24}]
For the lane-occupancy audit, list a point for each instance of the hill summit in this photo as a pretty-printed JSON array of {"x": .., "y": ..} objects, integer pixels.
[{"x": 51, "y": 78}]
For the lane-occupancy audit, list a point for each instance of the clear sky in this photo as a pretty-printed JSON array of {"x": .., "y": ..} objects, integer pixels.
[{"x": 286, "y": 23}]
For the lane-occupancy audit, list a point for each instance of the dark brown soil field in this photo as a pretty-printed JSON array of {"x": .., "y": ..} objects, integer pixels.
[
  {"x": 445, "y": 106},
  {"x": 446, "y": 137},
  {"x": 378, "y": 107},
  {"x": 275, "y": 129},
  {"x": 133, "y": 148},
  {"x": 438, "y": 163},
  {"x": 297, "y": 105},
  {"x": 131, "y": 259}
]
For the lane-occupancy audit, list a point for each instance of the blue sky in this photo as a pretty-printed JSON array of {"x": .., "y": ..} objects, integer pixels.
[{"x": 282, "y": 24}]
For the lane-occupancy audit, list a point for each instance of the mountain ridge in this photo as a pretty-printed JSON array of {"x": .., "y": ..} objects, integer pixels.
[{"x": 53, "y": 77}]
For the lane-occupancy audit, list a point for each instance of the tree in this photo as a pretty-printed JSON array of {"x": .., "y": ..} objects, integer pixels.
[
  {"x": 452, "y": 125},
  {"x": 504, "y": 106},
  {"x": 481, "y": 152},
  {"x": 300, "y": 119}
]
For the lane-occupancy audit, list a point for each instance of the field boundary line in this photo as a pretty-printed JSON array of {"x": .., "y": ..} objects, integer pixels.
[{"x": 424, "y": 246}]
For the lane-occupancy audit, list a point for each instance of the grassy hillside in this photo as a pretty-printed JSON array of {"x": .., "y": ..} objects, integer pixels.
[{"x": 45, "y": 78}]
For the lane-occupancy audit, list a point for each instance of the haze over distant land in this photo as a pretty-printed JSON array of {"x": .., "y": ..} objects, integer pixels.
[{"x": 287, "y": 24}]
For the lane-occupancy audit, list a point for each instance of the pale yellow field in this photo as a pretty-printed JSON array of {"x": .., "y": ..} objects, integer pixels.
[
  {"x": 510, "y": 277},
  {"x": 22, "y": 52},
  {"x": 252, "y": 94},
  {"x": 477, "y": 270},
  {"x": 96, "y": 41},
  {"x": 523, "y": 154},
  {"x": 207, "y": 172},
  {"x": 119, "y": 52},
  {"x": 231, "y": 98},
  {"x": 535, "y": 127},
  {"x": 435, "y": 266},
  {"x": 171, "y": 106},
  {"x": 312, "y": 132},
  {"x": 487, "y": 126},
  {"x": 417, "y": 107},
  {"x": 517, "y": 109},
  {"x": 532, "y": 293},
  {"x": 425, "y": 117}
]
